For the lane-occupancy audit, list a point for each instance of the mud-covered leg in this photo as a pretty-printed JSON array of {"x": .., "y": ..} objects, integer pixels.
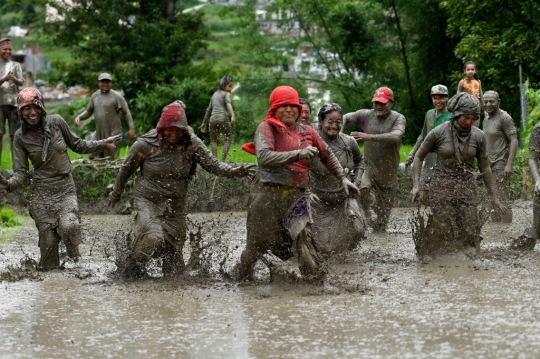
[
  {"x": 309, "y": 261},
  {"x": 384, "y": 197},
  {"x": 69, "y": 230},
  {"x": 226, "y": 143},
  {"x": 247, "y": 261},
  {"x": 502, "y": 190},
  {"x": 365, "y": 202},
  {"x": 48, "y": 247},
  {"x": 173, "y": 259}
]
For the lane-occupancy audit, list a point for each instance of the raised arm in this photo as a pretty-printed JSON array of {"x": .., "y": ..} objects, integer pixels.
[{"x": 74, "y": 142}]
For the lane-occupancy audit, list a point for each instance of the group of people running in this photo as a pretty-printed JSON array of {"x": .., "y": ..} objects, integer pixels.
[{"x": 311, "y": 187}]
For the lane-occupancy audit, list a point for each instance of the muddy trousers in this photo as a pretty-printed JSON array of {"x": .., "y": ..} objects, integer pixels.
[
  {"x": 68, "y": 230},
  {"x": 384, "y": 201},
  {"x": 536, "y": 215},
  {"x": 502, "y": 190}
]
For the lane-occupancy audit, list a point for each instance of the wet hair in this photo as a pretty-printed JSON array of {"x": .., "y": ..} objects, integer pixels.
[
  {"x": 325, "y": 110},
  {"x": 491, "y": 92},
  {"x": 303, "y": 101},
  {"x": 225, "y": 80},
  {"x": 471, "y": 63}
]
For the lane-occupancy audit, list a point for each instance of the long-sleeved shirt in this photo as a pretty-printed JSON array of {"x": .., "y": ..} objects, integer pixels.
[
  {"x": 165, "y": 169},
  {"x": 278, "y": 155},
  {"x": 381, "y": 154},
  {"x": 47, "y": 150}
]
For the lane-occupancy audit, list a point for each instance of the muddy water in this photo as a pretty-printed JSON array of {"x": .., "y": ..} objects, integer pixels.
[{"x": 380, "y": 302}]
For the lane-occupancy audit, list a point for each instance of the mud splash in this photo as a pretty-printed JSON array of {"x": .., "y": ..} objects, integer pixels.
[{"x": 378, "y": 301}]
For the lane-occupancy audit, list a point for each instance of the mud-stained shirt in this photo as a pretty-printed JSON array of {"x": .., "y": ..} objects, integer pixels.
[
  {"x": 431, "y": 121},
  {"x": 534, "y": 141},
  {"x": 34, "y": 146},
  {"x": 381, "y": 155},
  {"x": 106, "y": 107},
  {"x": 164, "y": 170},
  {"x": 346, "y": 150},
  {"x": 498, "y": 130},
  {"x": 9, "y": 90},
  {"x": 218, "y": 107},
  {"x": 277, "y": 155},
  {"x": 443, "y": 140}
]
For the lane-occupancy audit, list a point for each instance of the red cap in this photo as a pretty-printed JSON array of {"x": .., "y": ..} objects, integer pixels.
[{"x": 383, "y": 94}]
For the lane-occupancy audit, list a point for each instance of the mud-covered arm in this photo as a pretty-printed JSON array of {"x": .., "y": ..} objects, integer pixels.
[
  {"x": 18, "y": 75},
  {"x": 209, "y": 163},
  {"x": 134, "y": 159},
  {"x": 125, "y": 109},
  {"x": 510, "y": 132},
  {"x": 20, "y": 165},
  {"x": 89, "y": 110},
  {"x": 76, "y": 143},
  {"x": 357, "y": 118},
  {"x": 265, "y": 143},
  {"x": 395, "y": 135},
  {"x": 484, "y": 165}
]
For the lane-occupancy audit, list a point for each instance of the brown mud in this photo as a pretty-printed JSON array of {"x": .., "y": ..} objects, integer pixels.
[{"x": 379, "y": 300}]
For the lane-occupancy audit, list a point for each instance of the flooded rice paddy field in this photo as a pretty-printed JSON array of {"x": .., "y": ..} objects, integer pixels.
[{"x": 379, "y": 301}]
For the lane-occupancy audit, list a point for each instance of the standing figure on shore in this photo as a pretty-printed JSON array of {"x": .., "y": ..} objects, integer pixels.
[
  {"x": 338, "y": 224},
  {"x": 52, "y": 201},
  {"x": 218, "y": 111},
  {"x": 501, "y": 142},
  {"x": 107, "y": 106},
  {"x": 454, "y": 222},
  {"x": 434, "y": 117},
  {"x": 305, "y": 114},
  {"x": 279, "y": 213},
  {"x": 383, "y": 131},
  {"x": 11, "y": 78},
  {"x": 165, "y": 157},
  {"x": 471, "y": 84}
]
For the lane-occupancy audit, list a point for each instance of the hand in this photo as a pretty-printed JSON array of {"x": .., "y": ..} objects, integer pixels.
[
  {"x": 131, "y": 134},
  {"x": 77, "y": 121},
  {"x": 349, "y": 186},
  {"x": 308, "y": 153},
  {"x": 111, "y": 141},
  {"x": 415, "y": 192},
  {"x": 508, "y": 171},
  {"x": 500, "y": 206},
  {"x": 233, "y": 119},
  {"x": 248, "y": 171},
  {"x": 362, "y": 136},
  {"x": 313, "y": 198},
  {"x": 113, "y": 199},
  {"x": 4, "y": 183},
  {"x": 537, "y": 188},
  {"x": 203, "y": 127},
  {"x": 409, "y": 160},
  {"x": 9, "y": 77}
]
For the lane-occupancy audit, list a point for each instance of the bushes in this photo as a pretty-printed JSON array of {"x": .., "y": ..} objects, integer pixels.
[{"x": 8, "y": 218}]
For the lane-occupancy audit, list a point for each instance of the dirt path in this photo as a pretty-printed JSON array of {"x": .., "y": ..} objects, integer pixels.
[{"x": 380, "y": 302}]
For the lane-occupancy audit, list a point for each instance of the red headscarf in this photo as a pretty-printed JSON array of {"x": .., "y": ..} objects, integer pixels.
[
  {"x": 281, "y": 96},
  {"x": 173, "y": 115}
]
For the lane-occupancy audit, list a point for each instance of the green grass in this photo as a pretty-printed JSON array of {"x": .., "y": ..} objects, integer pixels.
[{"x": 8, "y": 218}]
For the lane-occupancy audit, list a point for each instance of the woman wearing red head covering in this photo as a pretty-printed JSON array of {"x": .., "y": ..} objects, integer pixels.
[
  {"x": 165, "y": 157},
  {"x": 52, "y": 201},
  {"x": 279, "y": 211}
]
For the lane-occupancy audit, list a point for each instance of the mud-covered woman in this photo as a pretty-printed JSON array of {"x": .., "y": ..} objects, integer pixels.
[
  {"x": 165, "y": 158},
  {"x": 454, "y": 223},
  {"x": 338, "y": 223},
  {"x": 44, "y": 139},
  {"x": 279, "y": 212},
  {"x": 218, "y": 109}
]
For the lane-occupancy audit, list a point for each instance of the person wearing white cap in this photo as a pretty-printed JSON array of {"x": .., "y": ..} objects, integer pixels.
[
  {"x": 11, "y": 78},
  {"x": 434, "y": 117},
  {"x": 383, "y": 131},
  {"x": 107, "y": 106}
]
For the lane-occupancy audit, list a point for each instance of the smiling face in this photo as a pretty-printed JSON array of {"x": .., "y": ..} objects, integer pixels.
[
  {"x": 172, "y": 134},
  {"x": 332, "y": 124},
  {"x": 491, "y": 103},
  {"x": 305, "y": 115},
  {"x": 382, "y": 109},
  {"x": 287, "y": 114},
  {"x": 32, "y": 115},
  {"x": 439, "y": 101},
  {"x": 5, "y": 53},
  {"x": 105, "y": 85}
]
